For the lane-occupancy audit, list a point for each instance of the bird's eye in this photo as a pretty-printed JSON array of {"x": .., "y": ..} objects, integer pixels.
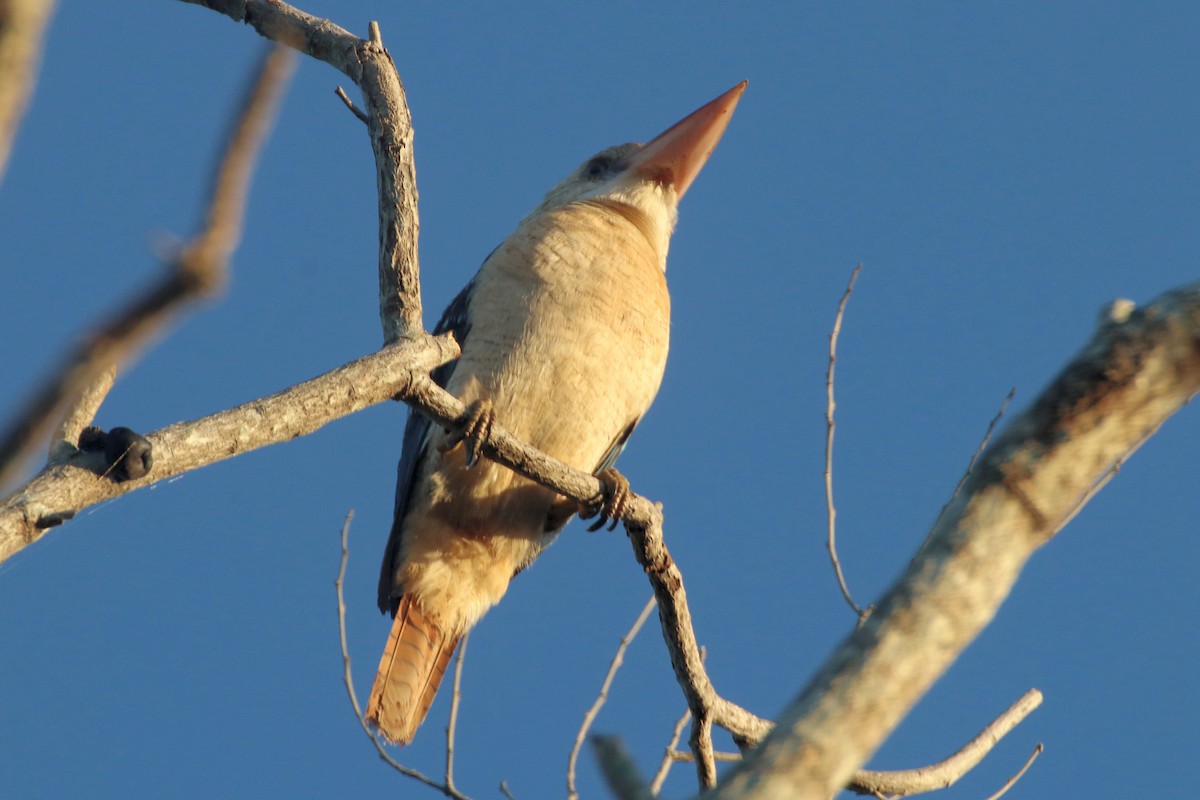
[{"x": 597, "y": 168}]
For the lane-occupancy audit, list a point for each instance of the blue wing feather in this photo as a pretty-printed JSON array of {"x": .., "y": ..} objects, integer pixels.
[
  {"x": 455, "y": 319},
  {"x": 614, "y": 450}
]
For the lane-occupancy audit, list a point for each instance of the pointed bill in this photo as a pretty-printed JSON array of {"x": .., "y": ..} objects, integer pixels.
[{"x": 675, "y": 156}]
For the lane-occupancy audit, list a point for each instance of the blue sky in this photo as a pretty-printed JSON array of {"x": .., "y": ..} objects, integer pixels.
[{"x": 1000, "y": 170}]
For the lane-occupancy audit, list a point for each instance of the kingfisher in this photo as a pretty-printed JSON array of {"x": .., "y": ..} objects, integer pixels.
[{"x": 563, "y": 333}]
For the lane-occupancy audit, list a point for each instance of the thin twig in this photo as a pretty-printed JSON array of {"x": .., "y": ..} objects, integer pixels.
[
  {"x": 664, "y": 766},
  {"x": 830, "y": 405},
  {"x": 455, "y": 699},
  {"x": 504, "y": 790},
  {"x": 348, "y": 678},
  {"x": 987, "y": 437},
  {"x": 355, "y": 110},
  {"x": 617, "y": 660},
  {"x": 198, "y": 270},
  {"x": 1008, "y": 784},
  {"x": 949, "y": 770}
]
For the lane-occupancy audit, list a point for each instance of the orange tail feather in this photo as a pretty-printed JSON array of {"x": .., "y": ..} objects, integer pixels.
[{"x": 410, "y": 673}]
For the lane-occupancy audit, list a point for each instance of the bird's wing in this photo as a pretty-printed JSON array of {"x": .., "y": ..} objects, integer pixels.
[
  {"x": 562, "y": 512},
  {"x": 455, "y": 319},
  {"x": 614, "y": 449}
]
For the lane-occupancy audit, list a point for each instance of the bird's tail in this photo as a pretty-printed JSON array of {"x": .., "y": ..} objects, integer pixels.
[{"x": 410, "y": 672}]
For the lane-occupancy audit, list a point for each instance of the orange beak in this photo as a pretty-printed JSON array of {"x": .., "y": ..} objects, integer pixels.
[{"x": 675, "y": 156}]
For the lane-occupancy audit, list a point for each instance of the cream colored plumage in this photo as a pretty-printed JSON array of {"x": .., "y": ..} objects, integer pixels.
[{"x": 564, "y": 331}]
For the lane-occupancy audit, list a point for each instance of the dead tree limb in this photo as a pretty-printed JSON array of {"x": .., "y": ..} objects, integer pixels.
[
  {"x": 61, "y": 491},
  {"x": 1139, "y": 368},
  {"x": 389, "y": 125}
]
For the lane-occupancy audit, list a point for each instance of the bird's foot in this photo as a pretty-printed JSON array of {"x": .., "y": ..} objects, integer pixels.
[
  {"x": 127, "y": 454},
  {"x": 474, "y": 433},
  {"x": 610, "y": 504}
]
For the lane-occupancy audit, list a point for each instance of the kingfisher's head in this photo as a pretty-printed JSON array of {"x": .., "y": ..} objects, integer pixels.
[{"x": 650, "y": 178}]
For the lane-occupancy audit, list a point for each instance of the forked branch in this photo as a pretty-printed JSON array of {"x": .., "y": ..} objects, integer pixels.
[{"x": 1139, "y": 368}]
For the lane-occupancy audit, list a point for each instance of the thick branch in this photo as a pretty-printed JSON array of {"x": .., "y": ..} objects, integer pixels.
[
  {"x": 62, "y": 491},
  {"x": 1139, "y": 369},
  {"x": 370, "y": 66}
]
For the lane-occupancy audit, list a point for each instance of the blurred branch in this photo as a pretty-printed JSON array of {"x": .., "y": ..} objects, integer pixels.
[
  {"x": 22, "y": 31},
  {"x": 198, "y": 270},
  {"x": 620, "y": 773},
  {"x": 65, "y": 441},
  {"x": 389, "y": 125},
  {"x": 1139, "y": 368},
  {"x": 617, "y": 660}
]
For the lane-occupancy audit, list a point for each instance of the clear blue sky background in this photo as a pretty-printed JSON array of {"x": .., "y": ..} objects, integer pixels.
[{"x": 1001, "y": 171}]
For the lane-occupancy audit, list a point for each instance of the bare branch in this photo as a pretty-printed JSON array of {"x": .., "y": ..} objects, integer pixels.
[
  {"x": 664, "y": 766},
  {"x": 1008, "y": 784},
  {"x": 22, "y": 29},
  {"x": 1135, "y": 372},
  {"x": 946, "y": 772},
  {"x": 389, "y": 123},
  {"x": 355, "y": 110},
  {"x": 830, "y": 405},
  {"x": 617, "y": 660},
  {"x": 703, "y": 752},
  {"x": 348, "y": 677},
  {"x": 59, "y": 492},
  {"x": 665, "y": 578},
  {"x": 455, "y": 700},
  {"x": 197, "y": 271}
]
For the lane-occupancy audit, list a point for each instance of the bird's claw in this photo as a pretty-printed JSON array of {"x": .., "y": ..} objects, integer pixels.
[
  {"x": 474, "y": 433},
  {"x": 612, "y": 501}
]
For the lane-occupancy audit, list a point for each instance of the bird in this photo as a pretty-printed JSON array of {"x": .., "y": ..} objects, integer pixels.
[{"x": 563, "y": 334}]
